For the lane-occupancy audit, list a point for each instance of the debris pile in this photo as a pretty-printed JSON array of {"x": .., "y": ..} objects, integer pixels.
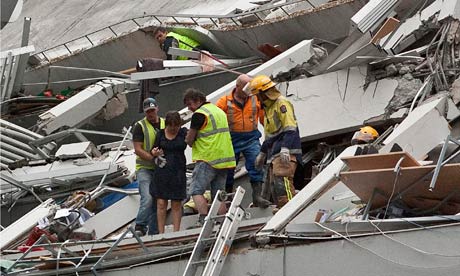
[{"x": 396, "y": 72}]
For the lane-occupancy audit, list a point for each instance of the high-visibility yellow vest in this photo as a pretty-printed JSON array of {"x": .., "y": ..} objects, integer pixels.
[
  {"x": 150, "y": 134},
  {"x": 213, "y": 143},
  {"x": 185, "y": 43}
]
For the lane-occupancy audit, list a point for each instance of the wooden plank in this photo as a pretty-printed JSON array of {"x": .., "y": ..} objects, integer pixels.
[
  {"x": 363, "y": 183},
  {"x": 379, "y": 161},
  {"x": 388, "y": 27}
]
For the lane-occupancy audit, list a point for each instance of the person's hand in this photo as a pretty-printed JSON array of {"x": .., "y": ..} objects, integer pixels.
[
  {"x": 156, "y": 152},
  {"x": 284, "y": 155},
  {"x": 160, "y": 161},
  {"x": 260, "y": 161}
]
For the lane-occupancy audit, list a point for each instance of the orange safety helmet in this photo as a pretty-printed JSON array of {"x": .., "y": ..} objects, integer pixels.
[{"x": 258, "y": 84}]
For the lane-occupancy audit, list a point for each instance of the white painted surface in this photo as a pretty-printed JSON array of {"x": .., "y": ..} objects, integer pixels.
[
  {"x": 422, "y": 130},
  {"x": 124, "y": 210}
]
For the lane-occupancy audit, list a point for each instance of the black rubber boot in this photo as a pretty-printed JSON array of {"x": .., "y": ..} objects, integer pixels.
[{"x": 257, "y": 199}]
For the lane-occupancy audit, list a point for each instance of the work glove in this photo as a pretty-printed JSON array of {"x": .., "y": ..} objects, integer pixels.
[
  {"x": 284, "y": 155},
  {"x": 160, "y": 161},
  {"x": 260, "y": 161}
]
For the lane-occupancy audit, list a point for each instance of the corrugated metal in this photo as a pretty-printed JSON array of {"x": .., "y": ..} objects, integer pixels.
[
  {"x": 14, "y": 144},
  {"x": 372, "y": 13}
]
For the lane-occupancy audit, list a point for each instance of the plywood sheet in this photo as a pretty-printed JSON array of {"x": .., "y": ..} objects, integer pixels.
[
  {"x": 363, "y": 183},
  {"x": 379, "y": 161}
]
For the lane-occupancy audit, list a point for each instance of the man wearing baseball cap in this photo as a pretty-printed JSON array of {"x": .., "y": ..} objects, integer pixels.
[{"x": 144, "y": 134}]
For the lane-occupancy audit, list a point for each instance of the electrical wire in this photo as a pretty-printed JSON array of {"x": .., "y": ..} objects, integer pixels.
[
  {"x": 379, "y": 255},
  {"x": 412, "y": 247}
]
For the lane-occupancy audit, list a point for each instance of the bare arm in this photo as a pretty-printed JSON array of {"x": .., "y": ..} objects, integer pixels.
[
  {"x": 191, "y": 136},
  {"x": 141, "y": 152}
]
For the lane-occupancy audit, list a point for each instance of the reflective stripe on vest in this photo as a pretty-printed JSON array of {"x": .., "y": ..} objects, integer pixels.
[
  {"x": 231, "y": 112},
  {"x": 214, "y": 144},
  {"x": 149, "y": 138}
]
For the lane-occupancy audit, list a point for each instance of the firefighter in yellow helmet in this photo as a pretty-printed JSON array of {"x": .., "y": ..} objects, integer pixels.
[{"x": 281, "y": 149}]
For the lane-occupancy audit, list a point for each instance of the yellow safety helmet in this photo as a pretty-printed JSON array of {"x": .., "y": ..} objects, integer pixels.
[
  {"x": 258, "y": 84},
  {"x": 369, "y": 130},
  {"x": 365, "y": 134}
]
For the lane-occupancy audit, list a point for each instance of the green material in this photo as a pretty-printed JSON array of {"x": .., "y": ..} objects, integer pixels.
[
  {"x": 214, "y": 144},
  {"x": 185, "y": 43}
]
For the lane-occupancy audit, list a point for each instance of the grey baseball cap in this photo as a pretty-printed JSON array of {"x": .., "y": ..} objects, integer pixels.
[{"x": 149, "y": 103}]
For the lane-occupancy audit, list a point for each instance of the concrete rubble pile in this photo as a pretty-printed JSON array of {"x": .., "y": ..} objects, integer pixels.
[
  {"x": 398, "y": 71},
  {"x": 36, "y": 166}
]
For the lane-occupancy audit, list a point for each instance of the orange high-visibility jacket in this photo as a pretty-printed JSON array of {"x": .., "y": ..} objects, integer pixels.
[{"x": 241, "y": 120}]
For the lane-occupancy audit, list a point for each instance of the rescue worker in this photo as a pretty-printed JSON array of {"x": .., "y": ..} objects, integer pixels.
[
  {"x": 365, "y": 135},
  {"x": 243, "y": 116},
  {"x": 171, "y": 39},
  {"x": 144, "y": 134},
  {"x": 281, "y": 149},
  {"x": 212, "y": 150}
]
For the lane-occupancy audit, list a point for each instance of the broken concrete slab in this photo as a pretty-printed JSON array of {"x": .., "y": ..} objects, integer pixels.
[
  {"x": 339, "y": 98},
  {"x": 390, "y": 42},
  {"x": 85, "y": 105},
  {"x": 360, "y": 52},
  {"x": 450, "y": 8},
  {"x": 423, "y": 129},
  {"x": 408, "y": 87},
  {"x": 455, "y": 91},
  {"x": 287, "y": 60}
]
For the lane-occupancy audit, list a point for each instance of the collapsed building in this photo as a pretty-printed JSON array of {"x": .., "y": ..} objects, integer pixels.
[{"x": 394, "y": 66}]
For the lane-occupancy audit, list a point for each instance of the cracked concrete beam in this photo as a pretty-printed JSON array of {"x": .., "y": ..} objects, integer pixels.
[{"x": 422, "y": 130}]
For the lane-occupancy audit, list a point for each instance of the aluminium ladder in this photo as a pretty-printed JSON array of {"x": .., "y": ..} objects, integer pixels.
[{"x": 223, "y": 239}]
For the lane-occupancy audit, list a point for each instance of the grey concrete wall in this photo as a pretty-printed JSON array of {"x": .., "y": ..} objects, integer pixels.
[
  {"x": 115, "y": 55},
  {"x": 330, "y": 24},
  {"x": 55, "y": 22},
  {"x": 375, "y": 255}
]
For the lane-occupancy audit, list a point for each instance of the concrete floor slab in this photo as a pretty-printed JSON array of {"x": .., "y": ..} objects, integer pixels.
[{"x": 336, "y": 102}]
